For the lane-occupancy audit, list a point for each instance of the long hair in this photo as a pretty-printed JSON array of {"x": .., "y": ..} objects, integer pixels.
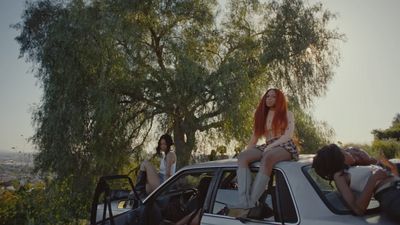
[
  {"x": 328, "y": 161},
  {"x": 279, "y": 122},
  {"x": 168, "y": 140}
]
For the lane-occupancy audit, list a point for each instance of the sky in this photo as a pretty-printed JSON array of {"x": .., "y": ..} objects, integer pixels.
[{"x": 362, "y": 96}]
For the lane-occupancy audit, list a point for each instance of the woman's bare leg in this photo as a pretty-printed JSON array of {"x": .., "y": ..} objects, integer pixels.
[
  {"x": 272, "y": 157},
  {"x": 248, "y": 156},
  {"x": 269, "y": 159},
  {"x": 244, "y": 176},
  {"x": 153, "y": 179}
]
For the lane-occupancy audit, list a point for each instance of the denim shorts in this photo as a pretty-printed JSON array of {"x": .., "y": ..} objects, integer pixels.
[{"x": 162, "y": 177}]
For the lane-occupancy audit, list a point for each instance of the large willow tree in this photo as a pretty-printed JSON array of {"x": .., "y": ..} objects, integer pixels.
[{"x": 112, "y": 69}]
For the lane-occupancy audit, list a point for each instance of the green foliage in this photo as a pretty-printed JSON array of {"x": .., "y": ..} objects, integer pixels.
[
  {"x": 221, "y": 150},
  {"x": 297, "y": 48},
  {"x": 63, "y": 205},
  {"x": 54, "y": 203},
  {"x": 396, "y": 120},
  {"x": 393, "y": 132},
  {"x": 389, "y": 147},
  {"x": 8, "y": 207},
  {"x": 216, "y": 154},
  {"x": 311, "y": 134},
  {"x": 388, "y": 140},
  {"x": 390, "y": 133},
  {"x": 213, "y": 155},
  {"x": 109, "y": 69}
]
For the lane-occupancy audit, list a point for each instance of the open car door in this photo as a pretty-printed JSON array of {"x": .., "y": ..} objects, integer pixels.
[{"x": 114, "y": 195}]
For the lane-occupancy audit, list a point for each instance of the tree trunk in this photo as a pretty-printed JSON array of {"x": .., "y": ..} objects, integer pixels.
[{"x": 184, "y": 144}]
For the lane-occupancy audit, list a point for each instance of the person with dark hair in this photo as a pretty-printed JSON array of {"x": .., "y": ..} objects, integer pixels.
[
  {"x": 148, "y": 178},
  {"x": 273, "y": 121},
  {"x": 334, "y": 164},
  {"x": 361, "y": 157}
]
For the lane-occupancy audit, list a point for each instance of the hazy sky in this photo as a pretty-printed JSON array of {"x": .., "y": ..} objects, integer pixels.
[{"x": 362, "y": 96}]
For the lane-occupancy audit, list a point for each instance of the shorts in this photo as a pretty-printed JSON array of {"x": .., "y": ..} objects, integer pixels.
[
  {"x": 162, "y": 177},
  {"x": 288, "y": 146},
  {"x": 389, "y": 200}
]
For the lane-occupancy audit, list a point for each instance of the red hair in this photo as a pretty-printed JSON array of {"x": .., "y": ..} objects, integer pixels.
[{"x": 279, "y": 122}]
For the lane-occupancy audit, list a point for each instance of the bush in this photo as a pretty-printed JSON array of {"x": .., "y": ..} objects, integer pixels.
[
  {"x": 52, "y": 203},
  {"x": 8, "y": 206},
  {"x": 390, "y": 147}
]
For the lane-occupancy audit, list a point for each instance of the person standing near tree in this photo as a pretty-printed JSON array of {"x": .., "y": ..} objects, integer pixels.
[{"x": 273, "y": 121}]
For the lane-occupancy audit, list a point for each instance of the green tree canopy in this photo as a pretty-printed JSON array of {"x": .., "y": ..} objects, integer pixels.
[
  {"x": 109, "y": 68},
  {"x": 113, "y": 69},
  {"x": 388, "y": 140},
  {"x": 311, "y": 134},
  {"x": 393, "y": 132}
]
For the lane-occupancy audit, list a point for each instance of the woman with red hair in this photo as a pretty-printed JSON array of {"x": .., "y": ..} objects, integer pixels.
[{"x": 273, "y": 121}]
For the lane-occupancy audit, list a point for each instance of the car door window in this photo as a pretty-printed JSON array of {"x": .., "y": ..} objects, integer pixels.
[
  {"x": 330, "y": 195},
  {"x": 227, "y": 194},
  {"x": 327, "y": 191},
  {"x": 184, "y": 195},
  {"x": 283, "y": 201}
]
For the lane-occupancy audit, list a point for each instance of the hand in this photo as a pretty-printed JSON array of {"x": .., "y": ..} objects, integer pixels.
[{"x": 385, "y": 162}]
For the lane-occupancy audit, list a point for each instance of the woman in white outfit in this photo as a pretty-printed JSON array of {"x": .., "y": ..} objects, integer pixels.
[
  {"x": 149, "y": 178},
  {"x": 335, "y": 164}
]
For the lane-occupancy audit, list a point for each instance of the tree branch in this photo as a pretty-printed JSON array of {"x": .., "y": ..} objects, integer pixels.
[{"x": 211, "y": 125}]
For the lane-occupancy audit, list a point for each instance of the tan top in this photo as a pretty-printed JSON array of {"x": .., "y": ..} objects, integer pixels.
[{"x": 285, "y": 137}]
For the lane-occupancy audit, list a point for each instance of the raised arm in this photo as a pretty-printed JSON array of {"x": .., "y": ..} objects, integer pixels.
[{"x": 384, "y": 161}]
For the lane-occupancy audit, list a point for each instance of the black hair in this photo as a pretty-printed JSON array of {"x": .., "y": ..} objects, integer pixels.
[
  {"x": 168, "y": 140},
  {"x": 328, "y": 161}
]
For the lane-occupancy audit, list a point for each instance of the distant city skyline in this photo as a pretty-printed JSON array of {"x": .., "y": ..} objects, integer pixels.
[{"x": 362, "y": 96}]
